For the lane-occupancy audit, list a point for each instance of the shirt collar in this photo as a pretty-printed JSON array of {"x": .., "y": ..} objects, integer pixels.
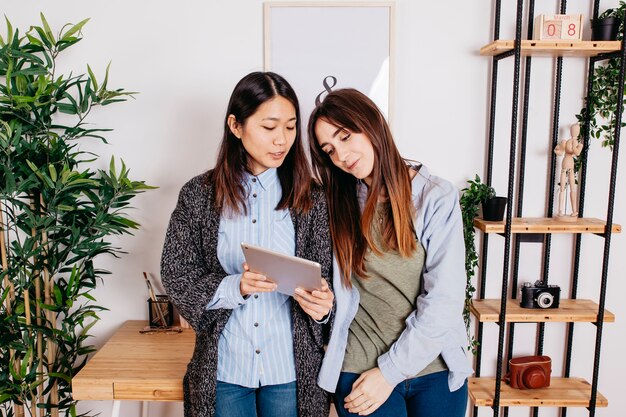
[{"x": 265, "y": 179}]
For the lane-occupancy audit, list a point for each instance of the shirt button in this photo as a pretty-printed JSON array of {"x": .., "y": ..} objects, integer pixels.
[
  {"x": 254, "y": 195},
  {"x": 256, "y": 295},
  {"x": 253, "y": 179},
  {"x": 258, "y": 351},
  {"x": 253, "y": 220},
  {"x": 256, "y": 324}
]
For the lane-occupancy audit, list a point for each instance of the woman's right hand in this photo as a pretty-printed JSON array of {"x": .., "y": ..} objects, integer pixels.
[{"x": 252, "y": 282}]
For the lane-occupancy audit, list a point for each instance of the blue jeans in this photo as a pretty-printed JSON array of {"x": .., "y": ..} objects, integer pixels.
[
  {"x": 268, "y": 401},
  {"x": 424, "y": 396}
]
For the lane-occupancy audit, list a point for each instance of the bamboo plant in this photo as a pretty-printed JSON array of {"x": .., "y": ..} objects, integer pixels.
[{"x": 56, "y": 213}]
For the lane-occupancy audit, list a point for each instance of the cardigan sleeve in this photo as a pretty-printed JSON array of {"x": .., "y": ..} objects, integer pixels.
[
  {"x": 320, "y": 245},
  {"x": 186, "y": 276}
]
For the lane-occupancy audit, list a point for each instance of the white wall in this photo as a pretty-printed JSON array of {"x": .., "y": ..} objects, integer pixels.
[{"x": 185, "y": 57}]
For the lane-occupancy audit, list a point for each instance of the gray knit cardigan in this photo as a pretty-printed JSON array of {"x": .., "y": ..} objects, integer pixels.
[{"x": 191, "y": 274}]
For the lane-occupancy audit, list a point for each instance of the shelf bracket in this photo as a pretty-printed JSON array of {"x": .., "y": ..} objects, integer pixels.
[{"x": 529, "y": 237}]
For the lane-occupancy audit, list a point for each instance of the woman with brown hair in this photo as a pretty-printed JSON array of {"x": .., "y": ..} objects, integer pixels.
[
  {"x": 257, "y": 351},
  {"x": 397, "y": 344}
]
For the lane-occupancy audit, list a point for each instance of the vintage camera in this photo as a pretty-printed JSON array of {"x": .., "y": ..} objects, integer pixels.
[{"x": 540, "y": 295}]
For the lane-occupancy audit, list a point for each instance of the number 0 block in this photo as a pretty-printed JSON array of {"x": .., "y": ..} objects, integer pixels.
[{"x": 558, "y": 26}]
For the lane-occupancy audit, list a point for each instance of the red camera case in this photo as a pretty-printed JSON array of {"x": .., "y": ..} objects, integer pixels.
[{"x": 530, "y": 372}]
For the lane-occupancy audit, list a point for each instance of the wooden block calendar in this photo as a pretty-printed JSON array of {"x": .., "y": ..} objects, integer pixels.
[{"x": 558, "y": 26}]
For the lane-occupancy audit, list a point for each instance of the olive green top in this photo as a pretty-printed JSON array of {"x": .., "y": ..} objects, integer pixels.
[{"x": 388, "y": 297}]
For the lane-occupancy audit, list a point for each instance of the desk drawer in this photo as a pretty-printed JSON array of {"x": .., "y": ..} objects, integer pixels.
[{"x": 138, "y": 391}]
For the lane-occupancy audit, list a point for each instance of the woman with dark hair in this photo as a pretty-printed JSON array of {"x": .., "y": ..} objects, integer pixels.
[
  {"x": 397, "y": 343},
  {"x": 257, "y": 351}
]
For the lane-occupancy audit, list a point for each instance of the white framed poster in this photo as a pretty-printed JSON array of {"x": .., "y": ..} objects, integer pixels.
[{"x": 321, "y": 46}]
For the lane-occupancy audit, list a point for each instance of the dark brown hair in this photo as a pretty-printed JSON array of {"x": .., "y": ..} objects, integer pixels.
[
  {"x": 232, "y": 161},
  {"x": 350, "y": 230}
]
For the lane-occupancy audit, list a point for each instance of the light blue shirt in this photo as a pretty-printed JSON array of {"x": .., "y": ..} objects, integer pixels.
[
  {"x": 436, "y": 326},
  {"x": 256, "y": 346}
]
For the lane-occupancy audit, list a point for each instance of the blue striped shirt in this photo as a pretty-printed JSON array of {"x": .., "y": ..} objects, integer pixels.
[{"x": 256, "y": 346}]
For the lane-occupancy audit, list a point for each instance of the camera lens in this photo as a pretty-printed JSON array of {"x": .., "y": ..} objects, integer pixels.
[{"x": 545, "y": 300}]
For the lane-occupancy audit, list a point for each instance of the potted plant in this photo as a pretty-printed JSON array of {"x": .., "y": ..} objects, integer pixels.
[
  {"x": 606, "y": 26},
  {"x": 56, "y": 213},
  {"x": 602, "y": 98},
  {"x": 476, "y": 195},
  {"x": 479, "y": 194}
]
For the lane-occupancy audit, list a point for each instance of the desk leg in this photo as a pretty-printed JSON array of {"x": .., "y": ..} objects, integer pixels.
[
  {"x": 145, "y": 409},
  {"x": 116, "y": 409}
]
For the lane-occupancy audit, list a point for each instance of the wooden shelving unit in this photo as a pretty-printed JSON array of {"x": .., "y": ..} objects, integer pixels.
[
  {"x": 547, "y": 225},
  {"x": 488, "y": 310},
  {"x": 562, "y": 392},
  {"x": 553, "y": 48},
  {"x": 566, "y": 390}
]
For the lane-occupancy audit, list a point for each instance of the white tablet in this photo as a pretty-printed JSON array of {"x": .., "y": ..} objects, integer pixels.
[{"x": 289, "y": 272}]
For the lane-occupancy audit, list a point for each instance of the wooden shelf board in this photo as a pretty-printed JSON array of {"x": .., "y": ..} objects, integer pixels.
[
  {"x": 547, "y": 225},
  {"x": 563, "y": 392},
  {"x": 568, "y": 311},
  {"x": 552, "y": 48}
]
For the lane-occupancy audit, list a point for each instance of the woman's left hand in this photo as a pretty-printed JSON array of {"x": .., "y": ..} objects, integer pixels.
[
  {"x": 369, "y": 392},
  {"x": 316, "y": 303}
]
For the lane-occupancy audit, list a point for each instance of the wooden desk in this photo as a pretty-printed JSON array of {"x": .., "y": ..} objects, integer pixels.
[{"x": 135, "y": 366}]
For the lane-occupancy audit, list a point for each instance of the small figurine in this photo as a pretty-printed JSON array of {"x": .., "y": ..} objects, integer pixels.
[{"x": 569, "y": 149}]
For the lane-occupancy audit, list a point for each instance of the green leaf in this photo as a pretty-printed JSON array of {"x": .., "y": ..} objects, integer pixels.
[
  {"x": 5, "y": 397},
  {"x": 10, "y": 185},
  {"x": 43, "y": 36},
  {"x": 112, "y": 170},
  {"x": 93, "y": 77},
  {"x": 117, "y": 100},
  {"x": 64, "y": 44},
  {"x": 9, "y": 76},
  {"x": 53, "y": 172},
  {"x": 67, "y": 108},
  {"x": 64, "y": 377},
  {"x": 32, "y": 166},
  {"x": 25, "y": 360},
  {"x": 23, "y": 99},
  {"x": 106, "y": 77},
  {"x": 9, "y": 31},
  {"x": 46, "y": 27},
  {"x": 34, "y": 40},
  {"x": 75, "y": 29},
  {"x": 58, "y": 297},
  {"x": 127, "y": 222},
  {"x": 31, "y": 71}
]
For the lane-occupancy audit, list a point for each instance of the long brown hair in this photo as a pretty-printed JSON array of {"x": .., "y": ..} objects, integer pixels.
[
  {"x": 232, "y": 161},
  {"x": 351, "y": 230}
]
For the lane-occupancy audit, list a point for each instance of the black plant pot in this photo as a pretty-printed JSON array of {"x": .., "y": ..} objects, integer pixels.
[
  {"x": 605, "y": 29},
  {"x": 493, "y": 209}
]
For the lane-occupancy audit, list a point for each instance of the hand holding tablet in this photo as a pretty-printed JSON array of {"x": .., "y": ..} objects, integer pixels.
[{"x": 288, "y": 272}]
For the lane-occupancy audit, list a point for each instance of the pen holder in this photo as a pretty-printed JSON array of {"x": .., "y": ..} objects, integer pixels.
[{"x": 160, "y": 312}]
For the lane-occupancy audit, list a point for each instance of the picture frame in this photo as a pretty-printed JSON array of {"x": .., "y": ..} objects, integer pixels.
[{"x": 321, "y": 46}]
